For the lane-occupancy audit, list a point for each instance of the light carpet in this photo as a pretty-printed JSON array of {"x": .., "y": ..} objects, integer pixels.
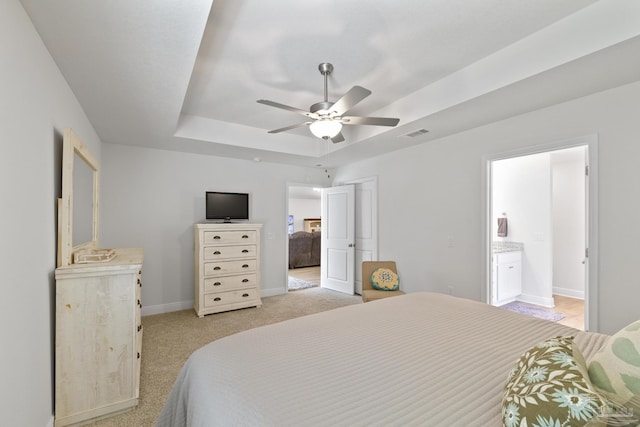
[
  {"x": 297, "y": 284},
  {"x": 168, "y": 340},
  {"x": 534, "y": 310}
]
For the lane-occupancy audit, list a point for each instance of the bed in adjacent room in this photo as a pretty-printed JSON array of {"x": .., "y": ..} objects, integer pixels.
[{"x": 417, "y": 359}]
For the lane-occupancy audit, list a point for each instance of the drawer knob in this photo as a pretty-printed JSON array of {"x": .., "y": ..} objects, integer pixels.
[
  {"x": 139, "y": 304},
  {"x": 245, "y": 280},
  {"x": 244, "y": 236},
  {"x": 217, "y": 299},
  {"x": 216, "y": 237},
  {"x": 245, "y": 295},
  {"x": 216, "y": 253},
  {"x": 138, "y": 355},
  {"x": 217, "y": 268},
  {"x": 245, "y": 251},
  {"x": 217, "y": 284},
  {"x": 245, "y": 265},
  {"x": 139, "y": 328}
]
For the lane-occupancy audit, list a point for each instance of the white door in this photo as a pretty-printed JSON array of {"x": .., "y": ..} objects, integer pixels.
[
  {"x": 366, "y": 226},
  {"x": 338, "y": 239}
]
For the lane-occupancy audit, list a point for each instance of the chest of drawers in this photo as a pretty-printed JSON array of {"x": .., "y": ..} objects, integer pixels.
[{"x": 227, "y": 267}]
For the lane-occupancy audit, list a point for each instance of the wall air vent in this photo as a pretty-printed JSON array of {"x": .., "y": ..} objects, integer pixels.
[{"x": 417, "y": 133}]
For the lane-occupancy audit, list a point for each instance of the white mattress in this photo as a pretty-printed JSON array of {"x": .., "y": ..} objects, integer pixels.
[{"x": 418, "y": 359}]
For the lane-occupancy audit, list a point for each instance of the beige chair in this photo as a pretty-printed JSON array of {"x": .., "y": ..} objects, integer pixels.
[{"x": 368, "y": 292}]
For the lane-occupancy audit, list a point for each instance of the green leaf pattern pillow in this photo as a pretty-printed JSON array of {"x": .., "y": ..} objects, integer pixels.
[
  {"x": 549, "y": 386},
  {"x": 615, "y": 368}
]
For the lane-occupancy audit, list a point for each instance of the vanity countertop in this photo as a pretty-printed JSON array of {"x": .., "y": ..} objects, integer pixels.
[{"x": 499, "y": 247}]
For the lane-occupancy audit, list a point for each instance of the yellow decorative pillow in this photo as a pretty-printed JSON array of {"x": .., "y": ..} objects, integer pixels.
[{"x": 384, "y": 279}]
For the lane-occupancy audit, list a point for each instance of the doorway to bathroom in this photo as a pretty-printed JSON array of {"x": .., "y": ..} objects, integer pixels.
[{"x": 538, "y": 217}]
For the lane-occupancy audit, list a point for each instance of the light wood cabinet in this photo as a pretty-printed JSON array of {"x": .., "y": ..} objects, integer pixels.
[
  {"x": 227, "y": 267},
  {"x": 98, "y": 338}
]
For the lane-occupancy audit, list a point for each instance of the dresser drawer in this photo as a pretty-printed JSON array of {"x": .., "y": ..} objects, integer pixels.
[
  {"x": 229, "y": 283},
  {"x": 223, "y": 268},
  {"x": 229, "y": 237},
  {"x": 229, "y": 252},
  {"x": 231, "y": 297}
]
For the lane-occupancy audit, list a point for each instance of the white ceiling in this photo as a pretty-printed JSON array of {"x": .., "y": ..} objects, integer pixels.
[{"x": 185, "y": 74}]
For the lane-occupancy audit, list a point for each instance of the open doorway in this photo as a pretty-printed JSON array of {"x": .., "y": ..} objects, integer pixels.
[
  {"x": 538, "y": 233},
  {"x": 304, "y": 229}
]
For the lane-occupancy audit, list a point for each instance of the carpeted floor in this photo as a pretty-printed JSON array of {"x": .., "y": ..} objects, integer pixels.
[
  {"x": 170, "y": 338},
  {"x": 534, "y": 310}
]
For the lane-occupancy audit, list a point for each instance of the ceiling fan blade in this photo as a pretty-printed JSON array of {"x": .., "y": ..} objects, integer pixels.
[
  {"x": 349, "y": 99},
  {"x": 290, "y": 127},
  {"x": 375, "y": 121},
  {"x": 286, "y": 107},
  {"x": 338, "y": 138}
]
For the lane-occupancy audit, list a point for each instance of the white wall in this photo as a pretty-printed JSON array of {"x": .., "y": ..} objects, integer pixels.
[
  {"x": 152, "y": 198},
  {"x": 304, "y": 208},
  {"x": 568, "y": 213},
  {"x": 431, "y": 192},
  {"x": 35, "y": 106},
  {"x": 522, "y": 190}
]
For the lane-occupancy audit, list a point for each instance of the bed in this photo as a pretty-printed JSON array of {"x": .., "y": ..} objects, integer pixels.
[{"x": 416, "y": 359}]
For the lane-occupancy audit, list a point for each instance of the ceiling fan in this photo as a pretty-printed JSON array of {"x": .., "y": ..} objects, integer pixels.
[{"x": 327, "y": 117}]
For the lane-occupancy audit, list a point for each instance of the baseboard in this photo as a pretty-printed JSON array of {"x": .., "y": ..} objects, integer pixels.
[
  {"x": 533, "y": 299},
  {"x": 186, "y": 305},
  {"x": 272, "y": 292},
  {"x": 571, "y": 293},
  {"x": 166, "y": 308}
]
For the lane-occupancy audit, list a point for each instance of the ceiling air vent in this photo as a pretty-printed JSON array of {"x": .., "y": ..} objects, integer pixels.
[{"x": 417, "y": 133}]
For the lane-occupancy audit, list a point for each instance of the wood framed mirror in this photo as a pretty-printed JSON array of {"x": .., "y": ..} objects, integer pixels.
[{"x": 78, "y": 206}]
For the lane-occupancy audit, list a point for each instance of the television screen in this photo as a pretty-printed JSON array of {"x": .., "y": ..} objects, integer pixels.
[{"x": 227, "y": 206}]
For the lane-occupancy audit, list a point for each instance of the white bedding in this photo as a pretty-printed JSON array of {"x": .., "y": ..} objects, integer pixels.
[{"x": 419, "y": 359}]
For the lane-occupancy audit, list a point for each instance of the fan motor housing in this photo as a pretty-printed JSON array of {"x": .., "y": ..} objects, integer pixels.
[{"x": 324, "y": 105}]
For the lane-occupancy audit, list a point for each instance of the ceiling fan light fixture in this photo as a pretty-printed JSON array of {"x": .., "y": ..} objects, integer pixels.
[{"x": 325, "y": 129}]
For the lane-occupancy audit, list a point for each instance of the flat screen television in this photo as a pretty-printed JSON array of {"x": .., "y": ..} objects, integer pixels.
[{"x": 227, "y": 206}]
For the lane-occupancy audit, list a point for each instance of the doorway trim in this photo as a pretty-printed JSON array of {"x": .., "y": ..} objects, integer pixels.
[{"x": 591, "y": 238}]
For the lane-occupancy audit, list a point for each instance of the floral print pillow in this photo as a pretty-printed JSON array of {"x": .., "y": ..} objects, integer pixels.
[
  {"x": 385, "y": 279},
  {"x": 549, "y": 386}
]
